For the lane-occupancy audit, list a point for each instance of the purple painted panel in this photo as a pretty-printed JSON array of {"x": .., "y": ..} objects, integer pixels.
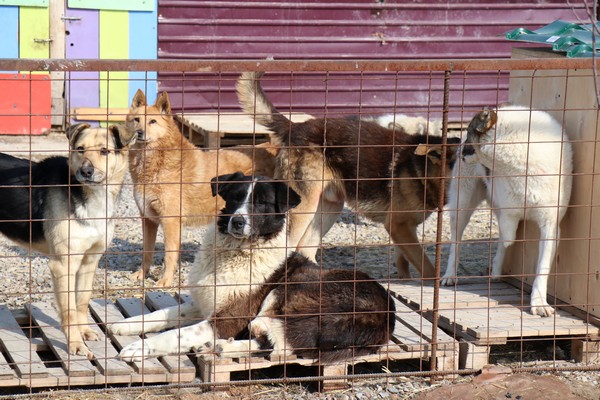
[
  {"x": 83, "y": 88},
  {"x": 355, "y": 29}
]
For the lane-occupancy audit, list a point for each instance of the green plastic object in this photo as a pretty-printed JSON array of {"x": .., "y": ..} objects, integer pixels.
[{"x": 576, "y": 40}]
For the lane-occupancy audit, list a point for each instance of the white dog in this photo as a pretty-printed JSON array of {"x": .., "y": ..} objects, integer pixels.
[{"x": 520, "y": 160}]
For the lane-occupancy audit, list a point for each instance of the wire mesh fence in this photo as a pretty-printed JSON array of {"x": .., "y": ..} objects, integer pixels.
[{"x": 436, "y": 235}]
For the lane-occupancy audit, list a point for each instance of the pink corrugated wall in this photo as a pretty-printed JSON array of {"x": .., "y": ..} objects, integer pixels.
[{"x": 347, "y": 30}]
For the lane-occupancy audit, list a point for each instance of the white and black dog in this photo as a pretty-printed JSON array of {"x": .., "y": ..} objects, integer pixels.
[
  {"x": 520, "y": 160},
  {"x": 253, "y": 294}
]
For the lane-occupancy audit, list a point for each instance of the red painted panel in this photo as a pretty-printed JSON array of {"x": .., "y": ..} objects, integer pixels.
[{"x": 25, "y": 104}]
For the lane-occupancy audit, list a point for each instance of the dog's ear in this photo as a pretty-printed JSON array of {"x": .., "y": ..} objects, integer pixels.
[
  {"x": 287, "y": 198},
  {"x": 221, "y": 184},
  {"x": 73, "y": 131},
  {"x": 163, "y": 103},
  {"x": 123, "y": 136},
  {"x": 139, "y": 100},
  {"x": 483, "y": 122}
]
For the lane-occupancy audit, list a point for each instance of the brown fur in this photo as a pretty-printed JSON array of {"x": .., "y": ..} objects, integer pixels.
[
  {"x": 172, "y": 178},
  {"x": 388, "y": 175}
]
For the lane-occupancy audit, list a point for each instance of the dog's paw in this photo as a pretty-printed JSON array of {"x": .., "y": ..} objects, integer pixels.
[
  {"x": 126, "y": 328},
  {"x": 259, "y": 326},
  {"x": 136, "y": 351},
  {"x": 448, "y": 280},
  {"x": 209, "y": 348},
  {"x": 164, "y": 282},
  {"x": 80, "y": 349},
  {"x": 89, "y": 334},
  {"x": 541, "y": 308},
  {"x": 137, "y": 275}
]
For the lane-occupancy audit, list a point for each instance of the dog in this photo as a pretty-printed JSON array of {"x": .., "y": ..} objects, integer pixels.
[
  {"x": 62, "y": 207},
  {"x": 172, "y": 178},
  {"x": 252, "y": 293},
  {"x": 514, "y": 158},
  {"x": 386, "y": 174},
  {"x": 412, "y": 125}
]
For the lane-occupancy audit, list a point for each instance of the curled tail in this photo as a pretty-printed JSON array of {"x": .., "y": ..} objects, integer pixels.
[{"x": 255, "y": 103}]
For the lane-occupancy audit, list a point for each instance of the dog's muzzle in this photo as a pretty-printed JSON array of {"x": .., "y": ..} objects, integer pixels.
[
  {"x": 87, "y": 174},
  {"x": 141, "y": 135},
  {"x": 238, "y": 227}
]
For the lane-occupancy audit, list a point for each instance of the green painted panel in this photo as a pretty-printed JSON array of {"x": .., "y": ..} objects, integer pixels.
[
  {"x": 34, "y": 24},
  {"x": 30, "y": 3},
  {"x": 129, "y": 5},
  {"x": 114, "y": 44}
]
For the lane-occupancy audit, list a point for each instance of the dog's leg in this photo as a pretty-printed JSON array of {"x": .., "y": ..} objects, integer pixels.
[
  {"x": 172, "y": 231},
  {"x": 305, "y": 226},
  {"x": 549, "y": 234},
  {"x": 158, "y": 320},
  {"x": 508, "y": 222},
  {"x": 405, "y": 237},
  {"x": 84, "y": 284},
  {"x": 150, "y": 229},
  {"x": 402, "y": 264},
  {"x": 64, "y": 272},
  {"x": 465, "y": 194},
  {"x": 175, "y": 341}
]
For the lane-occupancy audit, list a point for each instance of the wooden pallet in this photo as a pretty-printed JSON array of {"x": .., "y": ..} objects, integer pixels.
[
  {"x": 411, "y": 341},
  {"x": 482, "y": 314},
  {"x": 34, "y": 351}
]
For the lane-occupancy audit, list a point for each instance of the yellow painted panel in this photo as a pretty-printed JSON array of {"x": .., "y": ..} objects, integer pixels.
[{"x": 34, "y": 28}]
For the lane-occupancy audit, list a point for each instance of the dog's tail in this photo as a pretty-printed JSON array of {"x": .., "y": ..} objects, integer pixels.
[{"x": 255, "y": 103}]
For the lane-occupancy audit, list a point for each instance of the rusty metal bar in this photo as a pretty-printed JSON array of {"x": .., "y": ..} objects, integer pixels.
[
  {"x": 440, "y": 212},
  {"x": 208, "y": 66}
]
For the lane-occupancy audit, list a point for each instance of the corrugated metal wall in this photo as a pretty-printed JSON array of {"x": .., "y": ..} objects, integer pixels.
[{"x": 312, "y": 29}]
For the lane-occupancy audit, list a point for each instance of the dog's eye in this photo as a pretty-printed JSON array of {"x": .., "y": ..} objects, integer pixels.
[
  {"x": 136, "y": 119},
  {"x": 152, "y": 121},
  {"x": 104, "y": 151},
  {"x": 80, "y": 149}
]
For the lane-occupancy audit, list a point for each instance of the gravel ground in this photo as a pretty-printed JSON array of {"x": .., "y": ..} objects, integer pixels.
[{"x": 26, "y": 279}]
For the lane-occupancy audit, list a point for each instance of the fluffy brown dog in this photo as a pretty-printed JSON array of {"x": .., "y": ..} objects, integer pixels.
[
  {"x": 386, "y": 174},
  {"x": 172, "y": 178}
]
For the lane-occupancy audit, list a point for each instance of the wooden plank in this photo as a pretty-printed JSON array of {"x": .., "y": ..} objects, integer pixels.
[
  {"x": 114, "y": 44},
  {"x": 99, "y": 114},
  {"x": 46, "y": 317},
  {"x": 57, "y": 51},
  {"x": 30, "y": 3},
  {"x": 83, "y": 88},
  {"x": 143, "y": 31},
  {"x": 232, "y": 122},
  {"x": 9, "y": 32},
  {"x": 107, "y": 313},
  {"x": 105, "y": 355},
  {"x": 22, "y": 356},
  {"x": 34, "y": 24},
  {"x": 129, "y": 5},
  {"x": 176, "y": 364}
]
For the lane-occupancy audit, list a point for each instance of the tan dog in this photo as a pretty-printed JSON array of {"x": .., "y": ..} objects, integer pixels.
[
  {"x": 172, "y": 178},
  {"x": 63, "y": 208},
  {"x": 386, "y": 174}
]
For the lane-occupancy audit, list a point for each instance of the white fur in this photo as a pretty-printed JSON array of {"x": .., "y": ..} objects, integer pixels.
[
  {"x": 530, "y": 162},
  {"x": 411, "y": 125},
  {"x": 224, "y": 268}
]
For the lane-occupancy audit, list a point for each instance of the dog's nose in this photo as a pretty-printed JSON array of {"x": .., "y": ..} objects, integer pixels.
[
  {"x": 87, "y": 171},
  {"x": 238, "y": 223}
]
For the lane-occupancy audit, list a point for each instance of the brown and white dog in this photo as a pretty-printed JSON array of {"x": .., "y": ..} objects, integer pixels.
[
  {"x": 172, "y": 178},
  {"x": 252, "y": 293},
  {"x": 386, "y": 174},
  {"x": 62, "y": 207}
]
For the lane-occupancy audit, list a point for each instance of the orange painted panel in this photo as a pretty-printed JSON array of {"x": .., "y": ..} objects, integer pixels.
[{"x": 25, "y": 104}]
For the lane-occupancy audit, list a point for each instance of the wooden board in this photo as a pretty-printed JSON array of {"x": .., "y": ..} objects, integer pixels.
[
  {"x": 99, "y": 114},
  {"x": 27, "y": 110},
  {"x": 140, "y": 5},
  {"x": 143, "y": 31},
  {"x": 567, "y": 96},
  {"x": 231, "y": 123},
  {"x": 34, "y": 24},
  {"x": 482, "y": 324},
  {"x": 83, "y": 88},
  {"x": 9, "y": 32}
]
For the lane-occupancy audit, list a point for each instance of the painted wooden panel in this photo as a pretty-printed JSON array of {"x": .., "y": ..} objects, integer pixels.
[
  {"x": 129, "y": 5},
  {"x": 34, "y": 23},
  {"x": 83, "y": 88},
  {"x": 114, "y": 86},
  {"x": 9, "y": 32},
  {"x": 27, "y": 109},
  {"x": 143, "y": 44},
  {"x": 30, "y": 3}
]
